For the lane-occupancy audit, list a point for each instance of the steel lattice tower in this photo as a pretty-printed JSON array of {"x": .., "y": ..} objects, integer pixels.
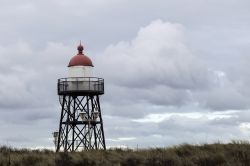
[{"x": 81, "y": 124}]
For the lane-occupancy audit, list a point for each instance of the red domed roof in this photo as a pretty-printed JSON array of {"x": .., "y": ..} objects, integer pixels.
[{"x": 80, "y": 59}]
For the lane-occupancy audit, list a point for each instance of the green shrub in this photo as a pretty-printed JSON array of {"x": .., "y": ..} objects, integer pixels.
[
  {"x": 63, "y": 159},
  {"x": 236, "y": 153},
  {"x": 211, "y": 160},
  {"x": 31, "y": 160}
]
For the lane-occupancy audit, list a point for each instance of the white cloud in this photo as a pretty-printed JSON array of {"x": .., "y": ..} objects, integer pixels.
[
  {"x": 156, "y": 66},
  {"x": 157, "y": 118}
]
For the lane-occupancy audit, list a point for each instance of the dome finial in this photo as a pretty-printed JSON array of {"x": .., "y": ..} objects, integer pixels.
[{"x": 80, "y": 48}]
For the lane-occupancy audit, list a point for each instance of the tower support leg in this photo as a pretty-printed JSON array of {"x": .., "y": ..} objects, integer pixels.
[{"x": 81, "y": 124}]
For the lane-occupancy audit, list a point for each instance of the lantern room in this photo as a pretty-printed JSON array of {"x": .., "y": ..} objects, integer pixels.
[
  {"x": 80, "y": 79},
  {"x": 80, "y": 65}
]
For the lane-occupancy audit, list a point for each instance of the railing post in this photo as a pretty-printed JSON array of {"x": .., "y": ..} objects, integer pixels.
[
  {"x": 66, "y": 84},
  {"x": 77, "y": 83},
  {"x": 103, "y": 86}
]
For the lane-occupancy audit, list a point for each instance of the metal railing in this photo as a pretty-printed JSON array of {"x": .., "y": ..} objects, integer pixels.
[{"x": 80, "y": 85}]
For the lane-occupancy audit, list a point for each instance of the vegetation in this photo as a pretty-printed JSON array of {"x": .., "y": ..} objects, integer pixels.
[{"x": 236, "y": 153}]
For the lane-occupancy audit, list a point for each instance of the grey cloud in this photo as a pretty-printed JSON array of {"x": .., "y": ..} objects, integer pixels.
[
  {"x": 202, "y": 129},
  {"x": 224, "y": 99},
  {"x": 175, "y": 130},
  {"x": 233, "y": 121}
]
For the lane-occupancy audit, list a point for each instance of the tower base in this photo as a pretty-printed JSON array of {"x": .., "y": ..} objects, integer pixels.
[{"x": 81, "y": 124}]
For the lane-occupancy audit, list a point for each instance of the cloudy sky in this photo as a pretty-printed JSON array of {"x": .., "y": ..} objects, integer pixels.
[{"x": 175, "y": 71}]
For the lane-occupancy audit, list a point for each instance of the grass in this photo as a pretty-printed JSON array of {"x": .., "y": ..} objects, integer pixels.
[{"x": 236, "y": 153}]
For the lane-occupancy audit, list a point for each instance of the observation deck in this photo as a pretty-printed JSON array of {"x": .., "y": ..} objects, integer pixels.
[{"x": 80, "y": 86}]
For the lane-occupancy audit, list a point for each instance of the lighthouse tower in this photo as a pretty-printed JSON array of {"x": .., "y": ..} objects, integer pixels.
[{"x": 81, "y": 125}]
